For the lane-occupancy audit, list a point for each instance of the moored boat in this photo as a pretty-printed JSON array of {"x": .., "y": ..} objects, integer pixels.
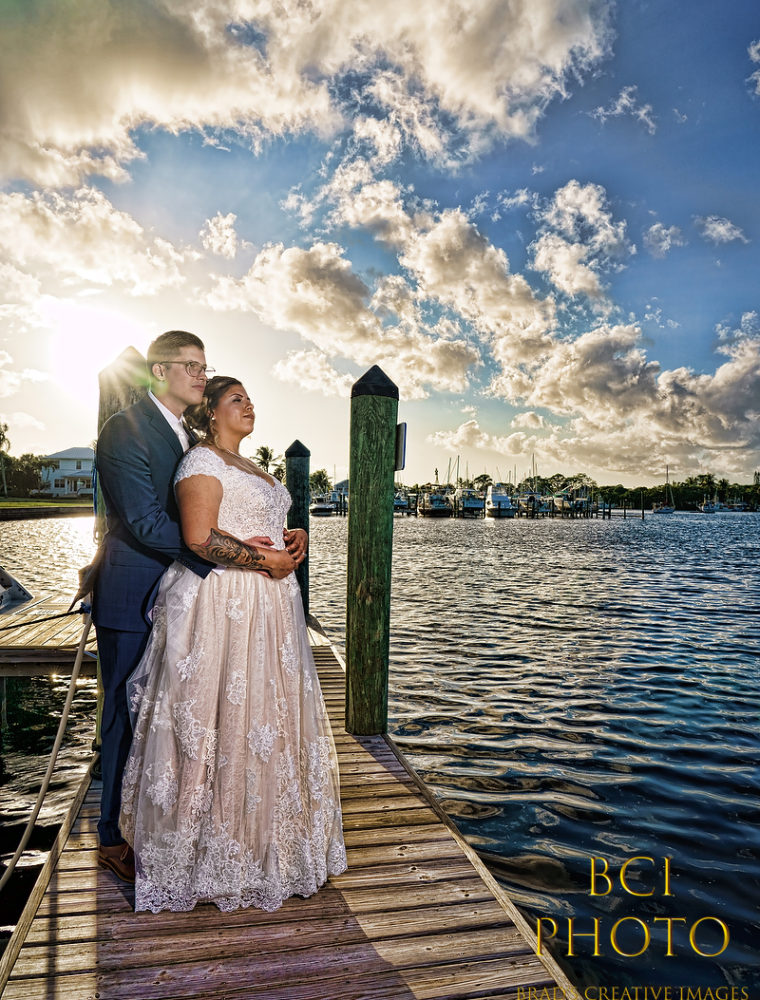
[
  {"x": 499, "y": 502},
  {"x": 11, "y": 591},
  {"x": 322, "y": 507},
  {"x": 561, "y": 502},
  {"x": 468, "y": 503},
  {"x": 435, "y": 505},
  {"x": 667, "y": 506},
  {"x": 532, "y": 504},
  {"x": 400, "y": 503}
]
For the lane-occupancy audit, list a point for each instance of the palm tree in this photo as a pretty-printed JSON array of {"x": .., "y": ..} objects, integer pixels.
[
  {"x": 707, "y": 482},
  {"x": 264, "y": 457},
  {"x": 319, "y": 482},
  {"x": 5, "y": 445}
]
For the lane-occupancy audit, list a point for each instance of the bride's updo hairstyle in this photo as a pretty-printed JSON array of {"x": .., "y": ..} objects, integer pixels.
[{"x": 201, "y": 417}]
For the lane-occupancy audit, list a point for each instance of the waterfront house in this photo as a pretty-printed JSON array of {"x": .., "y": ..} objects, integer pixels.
[{"x": 69, "y": 473}]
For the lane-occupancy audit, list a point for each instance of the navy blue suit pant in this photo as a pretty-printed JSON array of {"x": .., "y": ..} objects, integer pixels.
[{"x": 119, "y": 653}]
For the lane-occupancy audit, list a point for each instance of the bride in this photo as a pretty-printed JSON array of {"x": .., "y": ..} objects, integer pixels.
[{"x": 230, "y": 792}]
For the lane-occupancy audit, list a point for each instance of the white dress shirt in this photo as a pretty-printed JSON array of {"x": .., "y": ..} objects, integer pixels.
[{"x": 175, "y": 423}]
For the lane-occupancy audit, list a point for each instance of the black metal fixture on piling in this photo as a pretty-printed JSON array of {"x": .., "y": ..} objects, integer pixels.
[
  {"x": 297, "y": 481},
  {"x": 374, "y": 409}
]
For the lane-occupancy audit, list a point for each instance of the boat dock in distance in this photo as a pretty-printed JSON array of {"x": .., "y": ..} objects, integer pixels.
[{"x": 498, "y": 502}]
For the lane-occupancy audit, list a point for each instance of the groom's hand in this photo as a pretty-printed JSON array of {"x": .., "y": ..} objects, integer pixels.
[{"x": 296, "y": 543}]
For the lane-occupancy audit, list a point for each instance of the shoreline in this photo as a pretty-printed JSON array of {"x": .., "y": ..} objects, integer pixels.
[{"x": 31, "y": 513}]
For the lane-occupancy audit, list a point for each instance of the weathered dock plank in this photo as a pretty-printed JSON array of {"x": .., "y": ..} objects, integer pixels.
[
  {"x": 416, "y": 915},
  {"x": 40, "y": 638}
]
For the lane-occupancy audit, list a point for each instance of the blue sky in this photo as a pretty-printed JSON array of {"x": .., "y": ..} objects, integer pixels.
[{"x": 538, "y": 216}]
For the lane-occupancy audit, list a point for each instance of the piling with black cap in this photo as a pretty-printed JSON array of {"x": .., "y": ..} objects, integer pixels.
[
  {"x": 120, "y": 384},
  {"x": 374, "y": 410},
  {"x": 297, "y": 480}
]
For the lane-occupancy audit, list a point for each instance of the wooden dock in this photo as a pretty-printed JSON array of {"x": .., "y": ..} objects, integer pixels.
[
  {"x": 39, "y": 638},
  {"x": 417, "y": 914}
]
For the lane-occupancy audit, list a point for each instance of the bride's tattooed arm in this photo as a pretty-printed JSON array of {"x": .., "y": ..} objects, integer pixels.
[
  {"x": 226, "y": 550},
  {"x": 199, "y": 498}
]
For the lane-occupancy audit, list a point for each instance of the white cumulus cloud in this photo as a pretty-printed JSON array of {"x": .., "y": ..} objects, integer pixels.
[
  {"x": 312, "y": 370},
  {"x": 82, "y": 239},
  {"x": 660, "y": 240},
  {"x": 718, "y": 230},
  {"x": 19, "y": 420},
  {"x": 218, "y": 235},
  {"x": 579, "y": 239},
  {"x": 264, "y": 70},
  {"x": 12, "y": 379},
  {"x": 754, "y": 55},
  {"x": 316, "y": 293}
]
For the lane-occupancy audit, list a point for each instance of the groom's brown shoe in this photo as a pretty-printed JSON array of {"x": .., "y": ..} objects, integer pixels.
[{"x": 120, "y": 859}]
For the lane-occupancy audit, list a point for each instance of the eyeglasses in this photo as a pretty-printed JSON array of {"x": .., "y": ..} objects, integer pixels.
[{"x": 193, "y": 368}]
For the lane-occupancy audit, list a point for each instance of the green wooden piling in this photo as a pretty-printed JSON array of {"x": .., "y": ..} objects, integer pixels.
[
  {"x": 122, "y": 383},
  {"x": 297, "y": 480},
  {"x": 374, "y": 409}
]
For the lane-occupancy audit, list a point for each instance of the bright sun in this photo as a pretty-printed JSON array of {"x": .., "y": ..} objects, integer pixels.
[{"x": 84, "y": 340}]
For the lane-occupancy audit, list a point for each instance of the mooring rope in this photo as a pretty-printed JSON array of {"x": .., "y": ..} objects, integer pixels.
[
  {"x": 36, "y": 621},
  {"x": 54, "y": 753}
]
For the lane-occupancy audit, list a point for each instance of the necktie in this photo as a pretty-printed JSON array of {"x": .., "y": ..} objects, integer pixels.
[{"x": 184, "y": 440}]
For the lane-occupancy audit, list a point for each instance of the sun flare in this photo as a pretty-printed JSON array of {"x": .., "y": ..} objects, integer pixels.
[{"x": 85, "y": 340}]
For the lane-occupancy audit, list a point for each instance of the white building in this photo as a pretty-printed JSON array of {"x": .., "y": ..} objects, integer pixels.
[{"x": 71, "y": 475}]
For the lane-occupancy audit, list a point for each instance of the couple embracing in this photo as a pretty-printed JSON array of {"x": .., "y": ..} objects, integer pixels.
[{"x": 220, "y": 780}]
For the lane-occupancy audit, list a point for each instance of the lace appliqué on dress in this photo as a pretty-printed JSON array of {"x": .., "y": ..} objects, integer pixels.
[
  {"x": 187, "y": 666},
  {"x": 189, "y": 730},
  {"x": 163, "y": 791},
  {"x": 233, "y": 609},
  {"x": 236, "y": 688},
  {"x": 261, "y": 741}
]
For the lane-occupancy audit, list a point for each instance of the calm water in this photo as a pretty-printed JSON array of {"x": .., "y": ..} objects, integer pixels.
[{"x": 568, "y": 689}]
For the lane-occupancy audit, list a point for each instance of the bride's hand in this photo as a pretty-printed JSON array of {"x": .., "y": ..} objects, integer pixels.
[
  {"x": 262, "y": 541},
  {"x": 278, "y": 563},
  {"x": 296, "y": 543}
]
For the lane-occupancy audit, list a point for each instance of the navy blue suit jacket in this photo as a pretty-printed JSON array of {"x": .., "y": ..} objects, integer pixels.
[{"x": 137, "y": 456}]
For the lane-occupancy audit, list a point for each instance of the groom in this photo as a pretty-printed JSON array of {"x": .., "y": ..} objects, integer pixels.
[{"x": 138, "y": 452}]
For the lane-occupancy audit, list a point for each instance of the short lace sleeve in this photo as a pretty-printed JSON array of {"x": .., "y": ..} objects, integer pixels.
[{"x": 200, "y": 461}]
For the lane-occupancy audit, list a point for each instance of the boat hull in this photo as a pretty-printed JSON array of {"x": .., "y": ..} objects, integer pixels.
[
  {"x": 11, "y": 591},
  {"x": 500, "y": 511}
]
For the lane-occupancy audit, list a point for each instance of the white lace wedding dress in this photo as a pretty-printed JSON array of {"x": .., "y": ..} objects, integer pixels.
[{"x": 230, "y": 792}]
